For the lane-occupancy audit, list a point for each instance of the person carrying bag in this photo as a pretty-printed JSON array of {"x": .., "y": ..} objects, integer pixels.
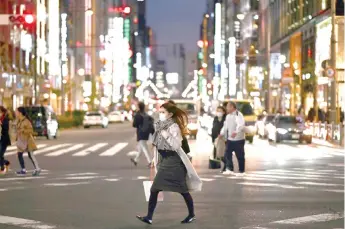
[
  {"x": 25, "y": 141},
  {"x": 175, "y": 173}
]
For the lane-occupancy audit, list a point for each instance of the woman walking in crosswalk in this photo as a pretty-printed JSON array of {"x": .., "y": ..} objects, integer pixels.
[
  {"x": 25, "y": 141},
  {"x": 171, "y": 175},
  {"x": 4, "y": 139}
]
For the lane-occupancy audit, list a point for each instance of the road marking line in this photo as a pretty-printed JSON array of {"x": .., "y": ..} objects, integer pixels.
[
  {"x": 112, "y": 179},
  {"x": 206, "y": 179},
  {"x": 90, "y": 150},
  {"x": 25, "y": 223},
  {"x": 114, "y": 150},
  {"x": 51, "y": 148},
  {"x": 3, "y": 190},
  {"x": 312, "y": 219},
  {"x": 64, "y": 151},
  {"x": 336, "y": 164},
  {"x": 25, "y": 154},
  {"x": 271, "y": 185},
  {"x": 318, "y": 184},
  {"x": 65, "y": 184},
  {"x": 142, "y": 178},
  {"x": 251, "y": 178},
  {"x": 82, "y": 178},
  {"x": 290, "y": 174},
  {"x": 333, "y": 190},
  {"x": 21, "y": 178},
  {"x": 81, "y": 174},
  {"x": 285, "y": 177}
]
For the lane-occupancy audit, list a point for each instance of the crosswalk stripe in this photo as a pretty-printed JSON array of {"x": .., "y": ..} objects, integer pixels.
[
  {"x": 63, "y": 151},
  {"x": 15, "y": 152},
  {"x": 272, "y": 185},
  {"x": 311, "y": 219},
  {"x": 318, "y": 184},
  {"x": 12, "y": 148},
  {"x": 115, "y": 149},
  {"x": 290, "y": 174},
  {"x": 90, "y": 150},
  {"x": 51, "y": 148},
  {"x": 286, "y": 177}
]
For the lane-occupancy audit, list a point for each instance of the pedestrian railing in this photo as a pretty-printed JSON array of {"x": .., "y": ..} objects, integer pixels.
[{"x": 333, "y": 133}]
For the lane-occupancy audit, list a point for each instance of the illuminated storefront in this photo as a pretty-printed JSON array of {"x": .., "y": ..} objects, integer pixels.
[
  {"x": 217, "y": 51},
  {"x": 295, "y": 65}
]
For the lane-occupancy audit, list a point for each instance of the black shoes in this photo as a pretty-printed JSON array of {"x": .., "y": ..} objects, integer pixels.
[
  {"x": 188, "y": 219},
  {"x": 134, "y": 162},
  {"x": 144, "y": 219}
]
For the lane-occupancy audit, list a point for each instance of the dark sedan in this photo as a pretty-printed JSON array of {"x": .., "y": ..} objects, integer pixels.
[{"x": 288, "y": 128}]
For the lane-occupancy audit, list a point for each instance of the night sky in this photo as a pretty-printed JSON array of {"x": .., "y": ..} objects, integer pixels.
[{"x": 176, "y": 21}]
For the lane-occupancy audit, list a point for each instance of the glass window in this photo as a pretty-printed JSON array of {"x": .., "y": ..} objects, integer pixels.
[
  {"x": 245, "y": 108},
  {"x": 287, "y": 120}
]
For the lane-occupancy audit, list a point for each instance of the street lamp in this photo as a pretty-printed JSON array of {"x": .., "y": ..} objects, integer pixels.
[
  {"x": 89, "y": 12},
  {"x": 240, "y": 17}
]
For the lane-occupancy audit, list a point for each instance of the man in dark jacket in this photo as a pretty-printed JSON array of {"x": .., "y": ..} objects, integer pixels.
[{"x": 144, "y": 125}]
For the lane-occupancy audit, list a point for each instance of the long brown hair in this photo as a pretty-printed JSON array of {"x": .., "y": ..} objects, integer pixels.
[{"x": 179, "y": 116}]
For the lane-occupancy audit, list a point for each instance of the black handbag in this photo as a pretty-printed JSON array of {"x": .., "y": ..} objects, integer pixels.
[{"x": 214, "y": 163}]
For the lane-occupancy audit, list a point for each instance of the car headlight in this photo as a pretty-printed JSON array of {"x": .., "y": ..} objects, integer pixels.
[
  {"x": 281, "y": 131},
  {"x": 307, "y": 132}
]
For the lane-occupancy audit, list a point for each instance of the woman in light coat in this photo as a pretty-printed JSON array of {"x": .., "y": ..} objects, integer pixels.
[
  {"x": 25, "y": 141},
  {"x": 172, "y": 171}
]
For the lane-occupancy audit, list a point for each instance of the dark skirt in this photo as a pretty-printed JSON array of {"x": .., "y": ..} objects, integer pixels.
[{"x": 171, "y": 174}]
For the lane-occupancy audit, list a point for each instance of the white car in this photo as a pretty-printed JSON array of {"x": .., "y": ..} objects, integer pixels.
[
  {"x": 95, "y": 119},
  {"x": 116, "y": 116},
  {"x": 263, "y": 125}
]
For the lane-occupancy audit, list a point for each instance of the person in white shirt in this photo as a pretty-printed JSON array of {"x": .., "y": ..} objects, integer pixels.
[{"x": 233, "y": 131}]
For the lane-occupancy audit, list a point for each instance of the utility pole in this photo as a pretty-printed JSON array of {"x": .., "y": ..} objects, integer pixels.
[
  {"x": 93, "y": 55},
  {"x": 268, "y": 57},
  {"x": 334, "y": 92}
]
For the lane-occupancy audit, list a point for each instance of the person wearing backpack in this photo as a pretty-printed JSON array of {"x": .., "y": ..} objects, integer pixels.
[{"x": 144, "y": 125}]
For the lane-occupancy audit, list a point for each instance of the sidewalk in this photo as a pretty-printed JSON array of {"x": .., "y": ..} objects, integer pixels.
[{"x": 322, "y": 142}]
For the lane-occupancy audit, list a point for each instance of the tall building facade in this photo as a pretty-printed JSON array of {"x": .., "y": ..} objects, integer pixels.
[
  {"x": 302, "y": 43},
  {"x": 26, "y": 50}
]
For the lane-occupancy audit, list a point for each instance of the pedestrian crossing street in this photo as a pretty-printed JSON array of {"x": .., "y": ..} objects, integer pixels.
[
  {"x": 325, "y": 180},
  {"x": 261, "y": 149}
]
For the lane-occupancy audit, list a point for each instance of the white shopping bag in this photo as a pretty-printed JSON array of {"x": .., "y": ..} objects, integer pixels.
[{"x": 147, "y": 189}]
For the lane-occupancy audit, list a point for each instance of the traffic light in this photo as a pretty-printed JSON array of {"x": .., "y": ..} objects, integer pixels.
[
  {"x": 29, "y": 23},
  {"x": 27, "y": 20}
]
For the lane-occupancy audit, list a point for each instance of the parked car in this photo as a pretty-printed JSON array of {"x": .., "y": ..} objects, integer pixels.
[
  {"x": 288, "y": 128},
  {"x": 116, "y": 116},
  {"x": 263, "y": 124},
  {"x": 96, "y": 118},
  {"x": 44, "y": 121}
]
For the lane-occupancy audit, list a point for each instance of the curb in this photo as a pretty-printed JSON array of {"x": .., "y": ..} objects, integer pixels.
[{"x": 321, "y": 142}]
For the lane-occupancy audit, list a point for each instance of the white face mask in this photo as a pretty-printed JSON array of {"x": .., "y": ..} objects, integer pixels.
[
  {"x": 219, "y": 114},
  {"x": 162, "y": 117}
]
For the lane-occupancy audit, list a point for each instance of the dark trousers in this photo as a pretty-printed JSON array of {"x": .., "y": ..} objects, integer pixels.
[
  {"x": 31, "y": 157},
  {"x": 2, "y": 157},
  {"x": 238, "y": 148},
  {"x": 153, "y": 203}
]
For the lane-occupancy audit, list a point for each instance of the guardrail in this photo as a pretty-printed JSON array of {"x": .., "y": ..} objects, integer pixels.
[{"x": 333, "y": 133}]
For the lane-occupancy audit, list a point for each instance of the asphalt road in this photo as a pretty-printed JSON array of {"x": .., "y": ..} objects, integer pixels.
[{"x": 88, "y": 182}]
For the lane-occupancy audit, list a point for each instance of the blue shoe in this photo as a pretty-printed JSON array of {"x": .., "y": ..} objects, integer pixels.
[{"x": 21, "y": 172}]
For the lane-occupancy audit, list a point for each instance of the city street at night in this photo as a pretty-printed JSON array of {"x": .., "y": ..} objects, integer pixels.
[
  {"x": 88, "y": 182},
  {"x": 172, "y": 114}
]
